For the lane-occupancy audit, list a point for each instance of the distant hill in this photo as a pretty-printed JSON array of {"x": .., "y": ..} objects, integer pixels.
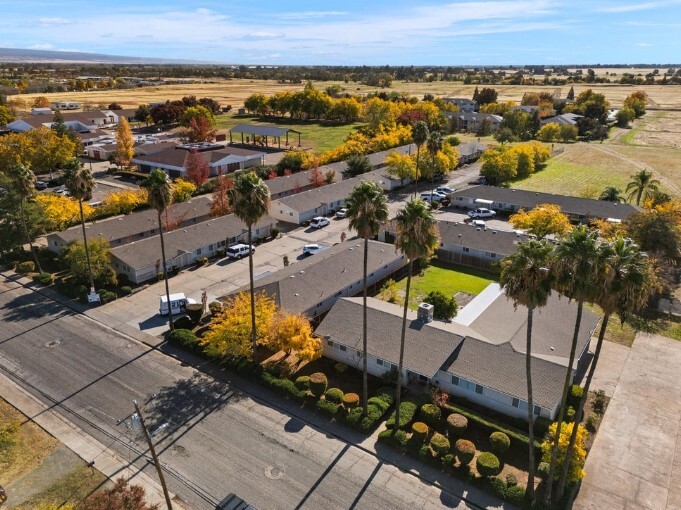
[{"x": 47, "y": 56}]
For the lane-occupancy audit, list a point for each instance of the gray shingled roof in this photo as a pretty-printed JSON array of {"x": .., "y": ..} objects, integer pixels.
[
  {"x": 176, "y": 156},
  {"x": 496, "y": 241},
  {"x": 530, "y": 199},
  {"x": 262, "y": 130}
]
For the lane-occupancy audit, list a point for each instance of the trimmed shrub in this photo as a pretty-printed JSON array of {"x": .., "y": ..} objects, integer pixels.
[
  {"x": 592, "y": 421},
  {"x": 221, "y": 252},
  {"x": 389, "y": 378},
  {"x": 318, "y": 382},
  {"x": 498, "y": 487},
  {"x": 511, "y": 480},
  {"x": 183, "y": 338},
  {"x": 274, "y": 232},
  {"x": 327, "y": 407},
  {"x": 334, "y": 395},
  {"x": 401, "y": 438},
  {"x": 340, "y": 368},
  {"x": 465, "y": 451},
  {"x": 355, "y": 417},
  {"x": 183, "y": 322},
  {"x": 419, "y": 431},
  {"x": 576, "y": 392},
  {"x": 380, "y": 403},
  {"x": 425, "y": 453},
  {"x": 570, "y": 414},
  {"x": 599, "y": 402},
  {"x": 303, "y": 382},
  {"x": 106, "y": 296},
  {"x": 25, "y": 267},
  {"x": 125, "y": 290},
  {"x": 448, "y": 462},
  {"x": 439, "y": 444},
  {"x": 201, "y": 261},
  {"x": 195, "y": 312},
  {"x": 543, "y": 470},
  {"x": 499, "y": 442},
  {"x": 430, "y": 414},
  {"x": 350, "y": 400},
  {"x": 456, "y": 425},
  {"x": 386, "y": 394},
  {"x": 215, "y": 307},
  {"x": 515, "y": 494},
  {"x": 43, "y": 278},
  {"x": 407, "y": 412},
  {"x": 487, "y": 464}
]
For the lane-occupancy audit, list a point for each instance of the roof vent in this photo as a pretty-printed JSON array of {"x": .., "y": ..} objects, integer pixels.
[
  {"x": 292, "y": 276},
  {"x": 425, "y": 312},
  {"x": 494, "y": 231},
  {"x": 302, "y": 272},
  {"x": 478, "y": 229},
  {"x": 552, "y": 348},
  {"x": 296, "y": 294}
]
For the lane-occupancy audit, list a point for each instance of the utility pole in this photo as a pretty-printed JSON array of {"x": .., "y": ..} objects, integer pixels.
[{"x": 153, "y": 453}]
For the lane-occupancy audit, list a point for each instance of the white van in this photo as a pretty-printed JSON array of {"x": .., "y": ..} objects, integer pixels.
[
  {"x": 178, "y": 303},
  {"x": 239, "y": 251}
]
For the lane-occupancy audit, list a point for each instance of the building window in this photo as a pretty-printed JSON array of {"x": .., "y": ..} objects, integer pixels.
[
  {"x": 372, "y": 274},
  {"x": 339, "y": 293},
  {"x": 493, "y": 255},
  {"x": 379, "y": 361},
  {"x": 515, "y": 402},
  {"x": 478, "y": 389},
  {"x": 329, "y": 343},
  {"x": 342, "y": 348},
  {"x": 466, "y": 250},
  {"x": 198, "y": 251},
  {"x": 537, "y": 410},
  {"x": 455, "y": 380},
  {"x": 359, "y": 354}
]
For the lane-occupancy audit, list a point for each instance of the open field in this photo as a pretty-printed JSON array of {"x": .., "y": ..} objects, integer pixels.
[{"x": 235, "y": 91}]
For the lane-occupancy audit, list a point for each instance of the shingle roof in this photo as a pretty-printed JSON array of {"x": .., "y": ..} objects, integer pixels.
[
  {"x": 175, "y": 156},
  {"x": 496, "y": 241},
  {"x": 303, "y": 285},
  {"x": 530, "y": 199},
  {"x": 261, "y": 130},
  {"x": 565, "y": 118}
]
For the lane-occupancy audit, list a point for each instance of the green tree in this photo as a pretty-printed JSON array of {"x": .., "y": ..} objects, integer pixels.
[
  {"x": 578, "y": 265},
  {"x": 419, "y": 134},
  {"x": 367, "y": 209},
  {"x": 624, "y": 117},
  {"x": 250, "y": 201},
  {"x": 486, "y": 95},
  {"x": 417, "y": 237},
  {"x": 526, "y": 279},
  {"x": 358, "y": 164},
  {"x": 444, "y": 307},
  {"x": 256, "y": 103},
  {"x": 624, "y": 286},
  {"x": 505, "y": 134},
  {"x": 23, "y": 184},
  {"x": 549, "y": 132},
  {"x": 5, "y": 115},
  {"x": 568, "y": 133},
  {"x": 143, "y": 114},
  {"x": 636, "y": 102},
  {"x": 612, "y": 194},
  {"x": 571, "y": 94},
  {"x": 79, "y": 181},
  {"x": 197, "y": 112},
  {"x": 160, "y": 193},
  {"x": 92, "y": 265},
  {"x": 642, "y": 185}
]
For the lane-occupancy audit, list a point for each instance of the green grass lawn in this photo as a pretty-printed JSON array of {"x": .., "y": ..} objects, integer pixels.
[
  {"x": 320, "y": 136},
  {"x": 446, "y": 278}
]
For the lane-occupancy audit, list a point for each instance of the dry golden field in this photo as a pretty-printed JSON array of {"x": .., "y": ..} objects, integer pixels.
[{"x": 235, "y": 91}]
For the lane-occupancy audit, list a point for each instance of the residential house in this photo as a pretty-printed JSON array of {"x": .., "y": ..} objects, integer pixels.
[
  {"x": 464, "y": 104},
  {"x": 511, "y": 200},
  {"x": 531, "y": 109},
  {"x": 480, "y": 356},
  {"x": 470, "y": 152},
  {"x": 223, "y": 160},
  {"x": 141, "y": 260},
  {"x": 312, "y": 285},
  {"x": 570, "y": 119},
  {"x": 472, "y": 121},
  {"x": 65, "y": 105}
]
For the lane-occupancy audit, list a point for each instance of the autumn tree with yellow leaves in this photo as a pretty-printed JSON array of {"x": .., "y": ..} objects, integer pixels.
[
  {"x": 543, "y": 220},
  {"x": 125, "y": 141},
  {"x": 575, "y": 468},
  {"x": 59, "y": 211}
]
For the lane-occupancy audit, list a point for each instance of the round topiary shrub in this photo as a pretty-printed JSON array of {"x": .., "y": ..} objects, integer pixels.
[
  {"x": 465, "y": 451},
  {"x": 439, "y": 444},
  {"x": 318, "y": 382},
  {"x": 570, "y": 414},
  {"x": 515, "y": 494},
  {"x": 183, "y": 338},
  {"x": 334, "y": 395},
  {"x": 303, "y": 382},
  {"x": 499, "y": 442},
  {"x": 350, "y": 400},
  {"x": 106, "y": 296},
  {"x": 456, "y": 424},
  {"x": 183, "y": 322},
  {"x": 419, "y": 431},
  {"x": 487, "y": 464},
  {"x": 25, "y": 267},
  {"x": 43, "y": 278},
  {"x": 126, "y": 290},
  {"x": 215, "y": 308},
  {"x": 511, "y": 480},
  {"x": 430, "y": 413},
  {"x": 340, "y": 368}
]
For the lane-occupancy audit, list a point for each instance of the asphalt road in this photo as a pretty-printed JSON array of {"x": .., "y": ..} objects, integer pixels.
[{"x": 213, "y": 439}]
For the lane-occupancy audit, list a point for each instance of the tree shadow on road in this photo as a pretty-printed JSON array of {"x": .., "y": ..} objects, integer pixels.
[{"x": 32, "y": 306}]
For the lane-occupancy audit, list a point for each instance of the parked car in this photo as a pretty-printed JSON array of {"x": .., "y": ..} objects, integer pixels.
[
  {"x": 433, "y": 197},
  {"x": 341, "y": 213},
  {"x": 311, "y": 249},
  {"x": 482, "y": 213},
  {"x": 178, "y": 303},
  {"x": 319, "y": 222},
  {"x": 480, "y": 180},
  {"x": 478, "y": 223},
  {"x": 446, "y": 190},
  {"x": 239, "y": 251},
  {"x": 40, "y": 185},
  {"x": 63, "y": 192}
]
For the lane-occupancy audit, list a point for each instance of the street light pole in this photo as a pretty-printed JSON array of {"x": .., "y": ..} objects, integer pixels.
[{"x": 153, "y": 455}]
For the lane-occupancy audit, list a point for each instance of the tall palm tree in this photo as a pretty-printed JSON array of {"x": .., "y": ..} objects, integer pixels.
[
  {"x": 624, "y": 286},
  {"x": 578, "y": 266},
  {"x": 417, "y": 237},
  {"x": 23, "y": 182},
  {"x": 160, "y": 197},
  {"x": 367, "y": 209},
  {"x": 434, "y": 145},
  {"x": 419, "y": 134},
  {"x": 526, "y": 279},
  {"x": 79, "y": 181},
  {"x": 612, "y": 194},
  {"x": 642, "y": 185},
  {"x": 250, "y": 201}
]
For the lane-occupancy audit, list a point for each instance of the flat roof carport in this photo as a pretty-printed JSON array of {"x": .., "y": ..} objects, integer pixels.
[{"x": 266, "y": 131}]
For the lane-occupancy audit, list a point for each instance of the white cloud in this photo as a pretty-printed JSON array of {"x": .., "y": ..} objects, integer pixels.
[
  {"x": 55, "y": 21},
  {"x": 311, "y": 14},
  {"x": 644, "y": 45},
  {"x": 265, "y": 35},
  {"x": 41, "y": 47},
  {"x": 645, "y": 6}
]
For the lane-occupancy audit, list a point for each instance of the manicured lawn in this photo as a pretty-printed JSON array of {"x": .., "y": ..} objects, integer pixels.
[
  {"x": 320, "y": 136},
  {"x": 449, "y": 279}
]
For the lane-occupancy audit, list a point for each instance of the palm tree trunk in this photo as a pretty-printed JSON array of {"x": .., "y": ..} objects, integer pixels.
[
  {"x": 165, "y": 273},
  {"x": 398, "y": 394},
  {"x": 87, "y": 251},
  {"x": 580, "y": 408},
  {"x": 250, "y": 278},
  {"x": 530, "y": 407},
  {"x": 416, "y": 179},
  {"x": 28, "y": 237},
  {"x": 563, "y": 401},
  {"x": 638, "y": 196},
  {"x": 365, "y": 368}
]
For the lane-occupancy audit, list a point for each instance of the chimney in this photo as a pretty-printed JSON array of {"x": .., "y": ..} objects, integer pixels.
[{"x": 425, "y": 312}]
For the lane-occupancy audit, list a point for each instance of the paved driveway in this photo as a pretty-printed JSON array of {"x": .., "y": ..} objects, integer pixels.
[{"x": 635, "y": 462}]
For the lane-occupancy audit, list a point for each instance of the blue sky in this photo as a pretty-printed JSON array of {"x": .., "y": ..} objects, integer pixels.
[{"x": 377, "y": 32}]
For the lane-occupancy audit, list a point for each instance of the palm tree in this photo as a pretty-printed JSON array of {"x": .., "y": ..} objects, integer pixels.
[
  {"x": 367, "y": 209},
  {"x": 23, "y": 181},
  {"x": 623, "y": 287},
  {"x": 417, "y": 237},
  {"x": 79, "y": 181},
  {"x": 434, "y": 145},
  {"x": 578, "y": 265},
  {"x": 642, "y": 185},
  {"x": 612, "y": 194},
  {"x": 160, "y": 197},
  {"x": 419, "y": 134},
  {"x": 250, "y": 201},
  {"x": 526, "y": 279}
]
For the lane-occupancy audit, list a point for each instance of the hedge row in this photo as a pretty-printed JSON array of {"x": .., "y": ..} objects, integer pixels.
[{"x": 407, "y": 411}]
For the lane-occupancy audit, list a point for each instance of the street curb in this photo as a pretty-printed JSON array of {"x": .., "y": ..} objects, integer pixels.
[{"x": 82, "y": 444}]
